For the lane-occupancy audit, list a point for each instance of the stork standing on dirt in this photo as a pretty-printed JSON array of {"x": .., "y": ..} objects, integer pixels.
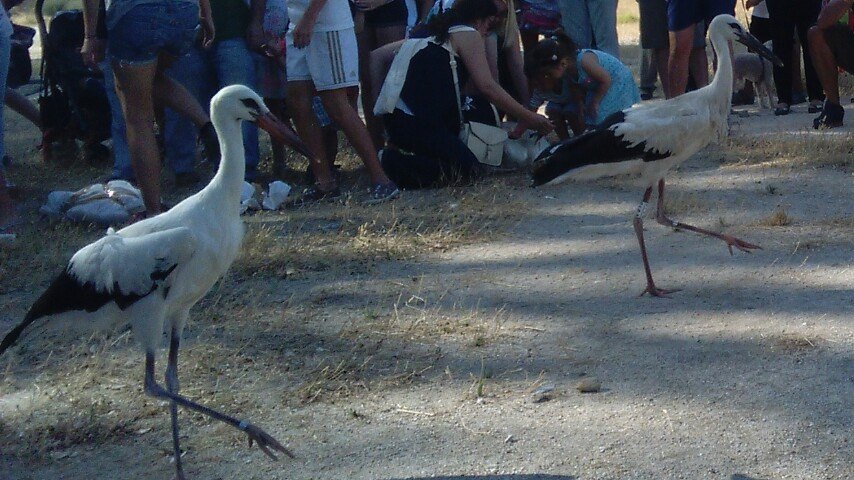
[
  {"x": 649, "y": 140},
  {"x": 151, "y": 273}
]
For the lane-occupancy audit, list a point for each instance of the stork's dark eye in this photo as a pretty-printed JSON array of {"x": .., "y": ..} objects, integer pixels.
[
  {"x": 251, "y": 104},
  {"x": 735, "y": 26}
]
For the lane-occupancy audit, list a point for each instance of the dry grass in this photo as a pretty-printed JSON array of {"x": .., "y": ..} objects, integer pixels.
[
  {"x": 800, "y": 150},
  {"x": 779, "y": 218},
  {"x": 246, "y": 336},
  {"x": 628, "y": 23},
  {"x": 679, "y": 203},
  {"x": 90, "y": 391},
  {"x": 624, "y": 18},
  {"x": 368, "y": 354},
  {"x": 795, "y": 343},
  {"x": 845, "y": 224},
  {"x": 353, "y": 237}
]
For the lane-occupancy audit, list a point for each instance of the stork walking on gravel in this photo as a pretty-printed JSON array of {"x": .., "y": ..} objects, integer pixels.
[
  {"x": 649, "y": 140},
  {"x": 151, "y": 273}
]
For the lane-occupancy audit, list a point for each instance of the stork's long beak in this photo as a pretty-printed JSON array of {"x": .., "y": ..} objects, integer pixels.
[
  {"x": 283, "y": 133},
  {"x": 752, "y": 44}
]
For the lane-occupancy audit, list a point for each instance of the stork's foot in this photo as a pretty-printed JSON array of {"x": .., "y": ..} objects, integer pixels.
[
  {"x": 658, "y": 292},
  {"x": 265, "y": 442},
  {"x": 738, "y": 243}
]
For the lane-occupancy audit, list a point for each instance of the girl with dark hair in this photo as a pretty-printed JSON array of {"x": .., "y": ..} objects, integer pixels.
[
  {"x": 419, "y": 100},
  {"x": 583, "y": 87}
]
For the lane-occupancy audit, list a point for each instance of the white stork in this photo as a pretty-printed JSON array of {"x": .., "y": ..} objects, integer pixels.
[
  {"x": 152, "y": 272},
  {"x": 649, "y": 140}
]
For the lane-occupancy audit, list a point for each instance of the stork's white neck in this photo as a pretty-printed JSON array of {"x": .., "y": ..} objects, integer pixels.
[
  {"x": 722, "y": 83},
  {"x": 232, "y": 166}
]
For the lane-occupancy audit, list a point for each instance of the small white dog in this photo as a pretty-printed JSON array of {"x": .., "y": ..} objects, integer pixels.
[{"x": 757, "y": 70}]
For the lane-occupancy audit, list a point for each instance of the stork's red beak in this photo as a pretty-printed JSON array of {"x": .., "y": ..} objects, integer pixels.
[{"x": 280, "y": 131}]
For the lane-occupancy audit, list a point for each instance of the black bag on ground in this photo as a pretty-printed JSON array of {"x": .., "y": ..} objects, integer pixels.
[
  {"x": 73, "y": 95},
  {"x": 20, "y": 64}
]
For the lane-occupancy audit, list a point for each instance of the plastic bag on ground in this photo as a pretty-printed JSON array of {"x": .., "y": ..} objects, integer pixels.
[
  {"x": 109, "y": 204},
  {"x": 278, "y": 192}
]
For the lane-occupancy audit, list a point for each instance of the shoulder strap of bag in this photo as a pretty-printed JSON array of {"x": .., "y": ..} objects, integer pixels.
[{"x": 456, "y": 84}]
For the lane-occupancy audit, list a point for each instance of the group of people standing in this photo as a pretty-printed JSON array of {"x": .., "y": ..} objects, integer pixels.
[
  {"x": 817, "y": 31},
  {"x": 311, "y": 56},
  {"x": 422, "y": 66}
]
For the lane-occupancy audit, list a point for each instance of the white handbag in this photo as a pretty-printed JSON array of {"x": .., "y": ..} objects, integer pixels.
[{"x": 486, "y": 142}]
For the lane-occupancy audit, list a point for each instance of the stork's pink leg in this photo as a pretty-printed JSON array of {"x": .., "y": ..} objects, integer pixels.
[
  {"x": 173, "y": 386},
  {"x": 731, "y": 241},
  {"x": 638, "y": 223},
  {"x": 267, "y": 443}
]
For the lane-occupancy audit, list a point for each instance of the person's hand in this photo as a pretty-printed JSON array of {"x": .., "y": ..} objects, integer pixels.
[
  {"x": 92, "y": 51},
  {"x": 255, "y": 36},
  {"x": 208, "y": 32},
  {"x": 539, "y": 123},
  {"x": 752, "y": 3},
  {"x": 303, "y": 31},
  {"x": 517, "y": 132},
  {"x": 273, "y": 48}
]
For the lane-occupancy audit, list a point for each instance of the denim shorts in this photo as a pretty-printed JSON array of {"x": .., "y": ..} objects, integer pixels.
[
  {"x": 681, "y": 14},
  {"x": 148, "y": 29}
]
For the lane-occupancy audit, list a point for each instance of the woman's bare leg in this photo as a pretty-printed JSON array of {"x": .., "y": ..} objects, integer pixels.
[
  {"x": 21, "y": 104},
  {"x": 135, "y": 85}
]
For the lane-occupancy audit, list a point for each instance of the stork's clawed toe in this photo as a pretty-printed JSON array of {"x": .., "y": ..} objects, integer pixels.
[
  {"x": 265, "y": 441},
  {"x": 739, "y": 244}
]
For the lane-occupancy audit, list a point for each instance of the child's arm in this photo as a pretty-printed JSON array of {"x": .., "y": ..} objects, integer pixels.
[{"x": 601, "y": 76}]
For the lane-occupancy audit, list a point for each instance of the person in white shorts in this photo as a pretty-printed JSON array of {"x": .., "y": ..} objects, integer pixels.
[{"x": 323, "y": 57}]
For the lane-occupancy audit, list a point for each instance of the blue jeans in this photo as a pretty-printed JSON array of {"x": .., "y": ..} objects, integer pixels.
[
  {"x": 179, "y": 133},
  {"x": 5, "y": 52},
  {"x": 591, "y": 24},
  {"x": 122, "y": 168},
  {"x": 228, "y": 62}
]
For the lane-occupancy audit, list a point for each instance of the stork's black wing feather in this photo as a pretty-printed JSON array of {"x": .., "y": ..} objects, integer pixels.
[
  {"x": 599, "y": 146},
  {"x": 67, "y": 294}
]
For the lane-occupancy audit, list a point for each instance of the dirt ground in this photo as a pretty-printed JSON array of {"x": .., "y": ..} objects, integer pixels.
[{"x": 467, "y": 359}]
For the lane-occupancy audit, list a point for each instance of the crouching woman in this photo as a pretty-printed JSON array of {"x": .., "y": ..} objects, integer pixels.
[{"x": 419, "y": 99}]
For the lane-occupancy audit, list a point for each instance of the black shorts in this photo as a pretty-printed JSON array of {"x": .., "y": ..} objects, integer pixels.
[
  {"x": 393, "y": 14},
  {"x": 840, "y": 39},
  {"x": 653, "y": 24},
  {"x": 760, "y": 28}
]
